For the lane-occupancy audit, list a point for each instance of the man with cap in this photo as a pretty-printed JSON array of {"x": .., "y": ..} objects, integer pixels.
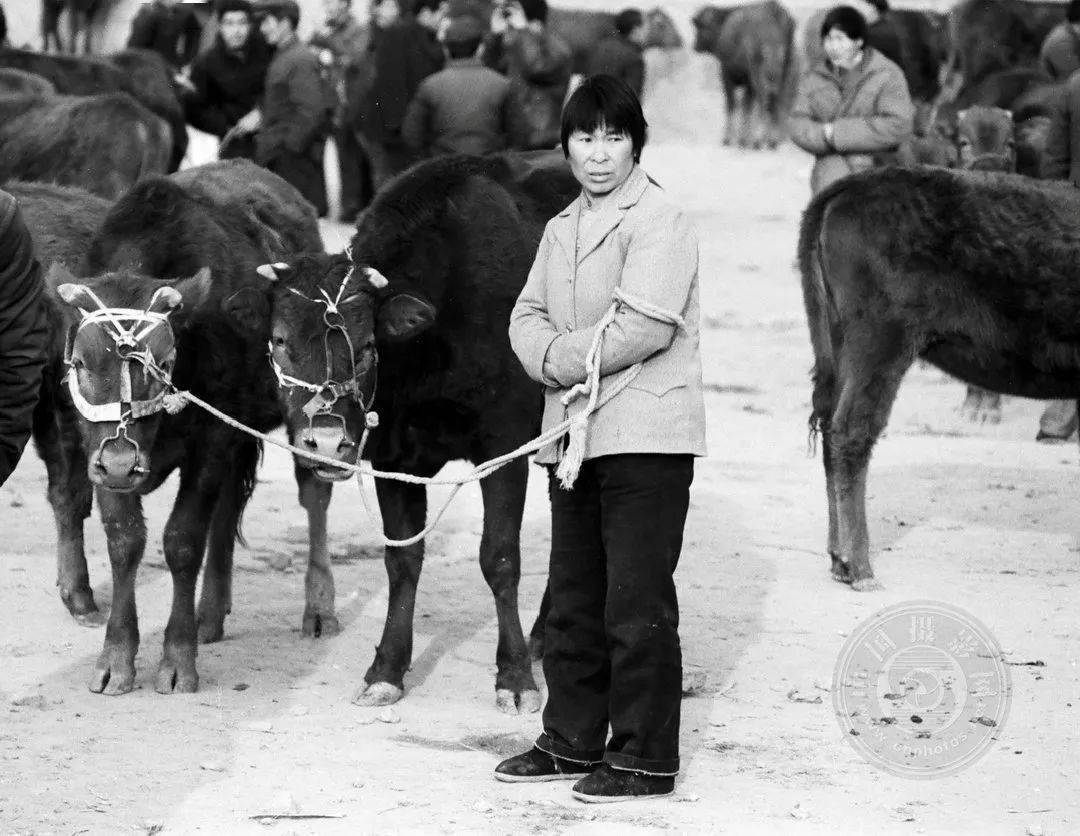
[
  {"x": 23, "y": 334},
  {"x": 465, "y": 108}
]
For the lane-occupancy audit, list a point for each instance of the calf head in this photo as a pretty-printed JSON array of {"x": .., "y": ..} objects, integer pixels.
[
  {"x": 327, "y": 317},
  {"x": 660, "y": 30},
  {"x": 707, "y": 23},
  {"x": 121, "y": 350},
  {"x": 985, "y": 140}
]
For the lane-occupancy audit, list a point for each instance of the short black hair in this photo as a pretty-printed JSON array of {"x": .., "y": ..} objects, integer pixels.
[
  {"x": 464, "y": 48},
  {"x": 282, "y": 10},
  {"x": 1072, "y": 11},
  {"x": 604, "y": 100},
  {"x": 224, "y": 7},
  {"x": 535, "y": 10},
  {"x": 628, "y": 20},
  {"x": 847, "y": 20}
]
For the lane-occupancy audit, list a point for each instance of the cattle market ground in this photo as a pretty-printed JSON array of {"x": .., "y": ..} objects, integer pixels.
[{"x": 978, "y": 516}]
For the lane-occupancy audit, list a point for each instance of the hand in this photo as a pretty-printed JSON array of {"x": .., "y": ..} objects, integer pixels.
[
  {"x": 560, "y": 365},
  {"x": 827, "y": 129},
  {"x": 249, "y": 123}
]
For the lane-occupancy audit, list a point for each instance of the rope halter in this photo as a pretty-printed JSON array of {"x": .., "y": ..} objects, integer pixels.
[
  {"x": 327, "y": 393},
  {"x": 128, "y": 328}
]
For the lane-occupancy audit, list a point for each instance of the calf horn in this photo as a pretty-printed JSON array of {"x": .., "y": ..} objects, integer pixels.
[{"x": 377, "y": 279}]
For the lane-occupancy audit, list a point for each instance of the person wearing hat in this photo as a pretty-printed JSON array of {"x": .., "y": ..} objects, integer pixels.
[
  {"x": 1059, "y": 56},
  {"x": 465, "y": 108},
  {"x": 850, "y": 106}
]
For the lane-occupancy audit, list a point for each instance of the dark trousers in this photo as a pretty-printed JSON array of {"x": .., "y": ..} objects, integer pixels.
[
  {"x": 305, "y": 172},
  {"x": 387, "y": 161},
  {"x": 355, "y": 170},
  {"x": 611, "y": 645}
]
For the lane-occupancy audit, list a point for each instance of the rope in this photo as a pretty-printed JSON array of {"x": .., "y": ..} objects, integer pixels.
[{"x": 176, "y": 400}]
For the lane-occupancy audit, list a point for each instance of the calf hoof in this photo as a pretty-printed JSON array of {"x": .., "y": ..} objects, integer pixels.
[
  {"x": 870, "y": 584},
  {"x": 317, "y": 625},
  {"x": 177, "y": 676},
  {"x": 520, "y": 702},
  {"x": 80, "y": 603},
  {"x": 841, "y": 571},
  {"x": 211, "y": 628},
  {"x": 114, "y": 673},
  {"x": 378, "y": 693}
]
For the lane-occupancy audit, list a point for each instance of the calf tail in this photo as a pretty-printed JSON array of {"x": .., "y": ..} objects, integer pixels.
[
  {"x": 821, "y": 314},
  {"x": 248, "y": 457}
]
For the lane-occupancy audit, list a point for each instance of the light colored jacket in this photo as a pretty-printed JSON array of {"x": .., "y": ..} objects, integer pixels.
[
  {"x": 870, "y": 109},
  {"x": 646, "y": 247}
]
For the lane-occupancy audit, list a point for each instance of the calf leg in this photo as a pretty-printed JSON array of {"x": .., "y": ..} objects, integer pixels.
[
  {"x": 319, "y": 617},
  {"x": 731, "y": 106},
  {"x": 500, "y": 561},
  {"x": 184, "y": 542},
  {"x": 870, "y": 375},
  {"x": 56, "y": 436},
  {"x": 404, "y": 512},
  {"x": 121, "y": 515},
  {"x": 215, "y": 602},
  {"x": 981, "y": 406}
]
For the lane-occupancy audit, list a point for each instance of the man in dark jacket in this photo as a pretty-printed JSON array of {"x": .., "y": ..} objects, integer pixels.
[
  {"x": 23, "y": 334},
  {"x": 342, "y": 44},
  {"x": 404, "y": 53},
  {"x": 1061, "y": 161},
  {"x": 170, "y": 29},
  {"x": 1060, "y": 53},
  {"x": 465, "y": 108},
  {"x": 293, "y": 120},
  {"x": 539, "y": 65},
  {"x": 228, "y": 79},
  {"x": 620, "y": 54}
]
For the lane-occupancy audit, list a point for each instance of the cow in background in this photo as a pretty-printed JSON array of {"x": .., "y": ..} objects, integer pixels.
[{"x": 755, "y": 46}]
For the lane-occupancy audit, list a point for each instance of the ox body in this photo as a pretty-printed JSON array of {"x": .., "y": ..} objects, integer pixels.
[
  {"x": 149, "y": 312},
  {"x": 413, "y": 326},
  {"x": 755, "y": 45},
  {"x": 137, "y": 72},
  {"x": 973, "y": 272}
]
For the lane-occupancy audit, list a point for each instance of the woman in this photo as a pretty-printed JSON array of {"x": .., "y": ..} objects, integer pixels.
[
  {"x": 852, "y": 105},
  {"x": 611, "y": 653}
]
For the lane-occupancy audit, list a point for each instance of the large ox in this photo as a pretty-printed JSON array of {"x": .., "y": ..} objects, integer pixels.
[
  {"x": 993, "y": 35},
  {"x": 138, "y": 72},
  {"x": 148, "y": 308},
  {"x": 103, "y": 143},
  {"x": 973, "y": 272},
  {"x": 755, "y": 46},
  {"x": 422, "y": 308}
]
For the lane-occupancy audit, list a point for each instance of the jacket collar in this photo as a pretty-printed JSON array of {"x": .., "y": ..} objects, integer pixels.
[{"x": 627, "y": 195}]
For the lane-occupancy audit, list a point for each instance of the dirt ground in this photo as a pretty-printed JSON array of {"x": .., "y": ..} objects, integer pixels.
[{"x": 977, "y": 516}]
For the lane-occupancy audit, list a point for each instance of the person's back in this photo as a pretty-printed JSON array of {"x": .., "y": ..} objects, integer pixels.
[
  {"x": 620, "y": 54},
  {"x": 23, "y": 334},
  {"x": 465, "y": 108},
  {"x": 170, "y": 29},
  {"x": 1059, "y": 56}
]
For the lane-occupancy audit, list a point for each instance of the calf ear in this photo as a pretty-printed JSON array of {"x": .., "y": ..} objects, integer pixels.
[
  {"x": 402, "y": 316},
  {"x": 68, "y": 288}
]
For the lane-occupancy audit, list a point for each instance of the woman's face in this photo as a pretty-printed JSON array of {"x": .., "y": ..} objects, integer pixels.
[
  {"x": 841, "y": 49},
  {"x": 600, "y": 160}
]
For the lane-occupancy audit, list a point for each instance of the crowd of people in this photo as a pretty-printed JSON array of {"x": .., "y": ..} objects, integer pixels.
[{"x": 391, "y": 83}]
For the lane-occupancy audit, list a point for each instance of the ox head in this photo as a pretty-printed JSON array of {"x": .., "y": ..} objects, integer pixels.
[
  {"x": 121, "y": 351},
  {"x": 660, "y": 31},
  {"x": 985, "y": 140},
  {"x": 327, "y": 317},
  {"x": 707, "y": 24}
]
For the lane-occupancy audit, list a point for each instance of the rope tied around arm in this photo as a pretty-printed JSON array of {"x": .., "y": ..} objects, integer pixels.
[{"x": 574, "y": 455}]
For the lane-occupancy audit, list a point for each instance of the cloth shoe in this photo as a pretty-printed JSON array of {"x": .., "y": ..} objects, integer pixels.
[
  {"x": 537, "y": 765},
  {"x": 608, "y": 784}
]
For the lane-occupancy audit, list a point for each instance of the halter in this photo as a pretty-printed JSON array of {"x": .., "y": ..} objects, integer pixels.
[
  {"x": 330, "y": 391},
  {"x": 127, "y": 338}
]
